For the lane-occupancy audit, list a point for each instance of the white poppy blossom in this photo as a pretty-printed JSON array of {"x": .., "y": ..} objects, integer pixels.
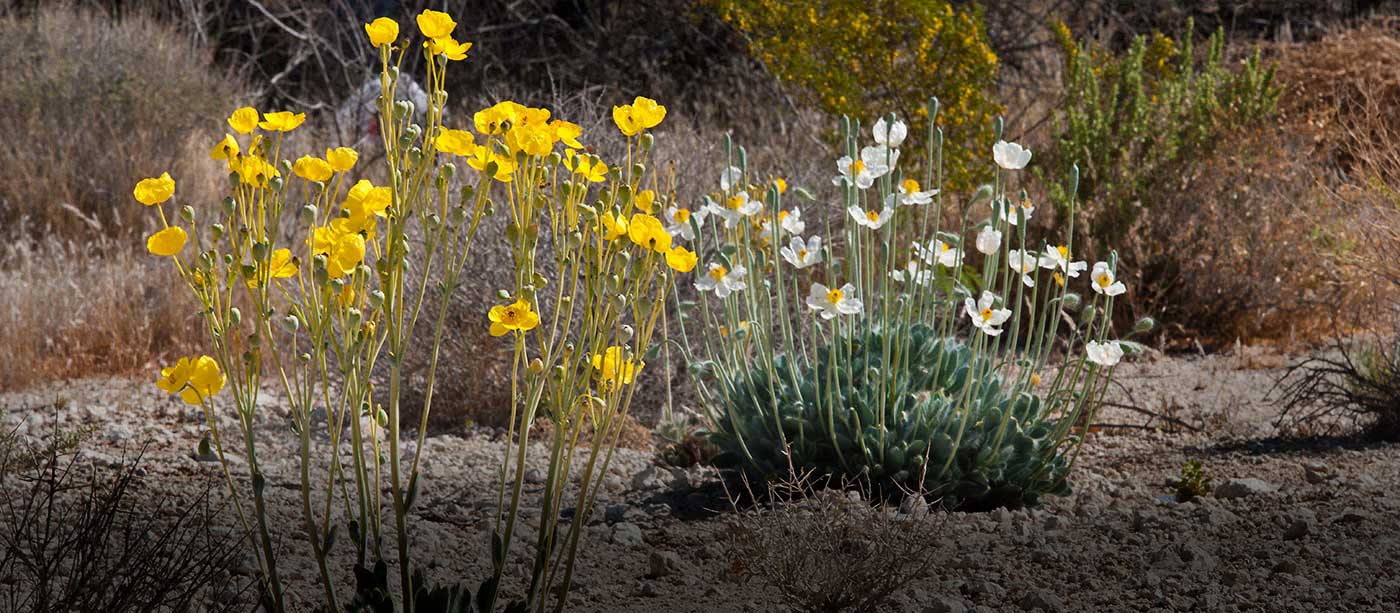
[
  {"x": 984, "y": 317},
  {"x": 1104, "y": 281},
  {"x": 832, "y": 302},
  {"x": 1023, "y": 263},
  {"x": 1006, "y": 211},
  {"x": 1104, "y": 354},
  {"x": 938, "y": 252},
  {"x": 1058, "y": 259},
  {"x": 735, "y": 207},
  {"x": 678, "y": 222},
  {"x": 802, "y": 254},
  {"x": 988, "y": 240},
  {"x": 913, "y": 274},
  {"x": 722, "y": 281},
  {"x": 875, "y": 161},
  {"x": 871, "y": 219},
  {"x": 731, "y": 177},
  {"x": 890, "y": 135},
  {"x": 908, "y": 194},
  {"x": 1011, "y": 156}
]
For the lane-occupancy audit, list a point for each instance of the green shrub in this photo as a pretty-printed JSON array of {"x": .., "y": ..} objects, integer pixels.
[{"x": 1136, "y": 122}]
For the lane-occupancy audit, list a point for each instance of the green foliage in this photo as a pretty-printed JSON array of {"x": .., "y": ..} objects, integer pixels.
[
  {"x": 1136, "y": 121},
  {"x": 843, "y": 417},
  {"x": 863, "y": 59},
  {"x": 1193, "y": 483}
]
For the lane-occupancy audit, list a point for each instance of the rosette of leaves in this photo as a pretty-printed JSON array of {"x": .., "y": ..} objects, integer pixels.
[{"x": 894, "y": 411}]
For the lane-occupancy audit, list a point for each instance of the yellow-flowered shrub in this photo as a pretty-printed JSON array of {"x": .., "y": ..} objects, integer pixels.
[
  {"x": 321, "y": 284},
  {"x": 865, "y": 58}
]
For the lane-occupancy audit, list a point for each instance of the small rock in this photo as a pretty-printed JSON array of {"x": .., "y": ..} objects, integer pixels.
[
  {"x": 1042, "y": 599},
  {"x": 1300, "y": 523},
  {"x": 627, "y": 534},
  {"x": 534, "y": 476},
  {"x": 680, "y": 480},
  {"x": 662, "y": 563},
  {"x": 1286, "y": 566},
  {"x": 938, "y": 603},
  {"x": 983, "y": 587},
  {"x": 1182, "y": 556},
  {"x": 1055, "y": 522},
  {"x": 615, "y": 513},
  {"x": 1316, "y": 472},
  {"x": 1351, "y": 516},
  {"x": 647, "y": 589},
  {"x": 915, "y": 505},
  {"x": 1239, "y": 488},
  {"x": 648, "y": 479}
]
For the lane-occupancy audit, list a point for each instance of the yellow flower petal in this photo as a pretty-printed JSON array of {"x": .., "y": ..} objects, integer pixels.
[
  {"x": 167, "y": 242},
  {"x": 244, "y": 120},
  {"x": 382, "y": 31},
  {"x": 154, "y": 191}
]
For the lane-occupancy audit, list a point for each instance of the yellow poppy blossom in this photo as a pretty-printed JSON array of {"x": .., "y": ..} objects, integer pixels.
[
  {"x": 255, "y": 171},
  {"x": 482, "y": 157},
  {"x": 342, "y": 158},
  {"x": 567, "y": 133},
  {"x": 167, "y": 242},
  {"x": 343, "y": 250},
  {"x": 154, "y": 191},
  {"x": 195, "y": 379},
  {"x": 511, "y": 317},
  {"x": 614, "y": 227},
  {"x": 595, "y": 172},
  {"x": 449, "y": 47},
  {"x": 530, "y": 140},
  {"x": 382, "y": 31},
  {"x": 435, "y": 24},
  {"x": 282, "y": 266},
  {"x": 244, "y": 120},
  {"x": 313, "y": 168},
  {"x": 613, "y": 368},
  {"x": 642, "y": 114},
  {"x": 681, "y": 259},
  {"x": 455, "y": 142},
  {"x": 226, "y": 149},
  {"x": 282, "y": 121},
  {"x": 645, "y": 200},
  {"x": 648, "y": 232}
]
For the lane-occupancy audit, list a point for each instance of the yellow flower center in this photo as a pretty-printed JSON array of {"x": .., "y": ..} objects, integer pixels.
[
  {"x": 1064, "y": 251},
  {"x": 682, "y": 215},
  {"x": 782, "y": 215},
  {"x": 1035, "y": 380},
  {"x": 872, "y": 216},
  {"x": 1059, "y": 279},
  {"x": 835, "y": 296},
  {"x": 735, "y": 202},
  {"x": 801, "y": 254},
  {"x": 910, "y": 186},
  {"x": 1105, "y": 280},
  {"x": 986, "y": 314},
  {"x": 719, "y": 273},
  {"x": 857, "y": 167}
]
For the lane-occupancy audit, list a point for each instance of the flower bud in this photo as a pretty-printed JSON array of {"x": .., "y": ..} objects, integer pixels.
[
  {"x": 382, "y": 418},
  {"x": 647, "y": 141},
  {"x": 1071, "y": 301},
  {"x": 536, "y": 366},
  {"x": 627, "y": 332},
  {"x": 230, "y": 205},
  {"x": 402, "y": 108},
  {"x": 415, "y": 155},
  {"x": 291, "y": 322},
  {"x": 376, "y": 299},
  {"x": 217, "y": 231},
  {"x": 187, "y": 213},
  {"x": 260, "y": 250},
  {"x": 275, "y": 184},
  {"x": 1088, "y": 315},
  {"x": 254, "y": 340},
  {"x": 637, "y": 171},
  {"x": 235, "y": 316},
  {"x": 309, "y": 213},
  {"x": 353, "y": 315},
  {"x": 1144, "y": 325}
]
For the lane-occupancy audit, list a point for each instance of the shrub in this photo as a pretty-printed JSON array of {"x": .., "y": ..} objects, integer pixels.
[
  {"x": 1193, "y": 482},
  {"x": 860, "y": 58},
  {"x": 91, "y": 102},
  {"x": 1358, "y": 387},
  {"x": 875, "y": 383}
]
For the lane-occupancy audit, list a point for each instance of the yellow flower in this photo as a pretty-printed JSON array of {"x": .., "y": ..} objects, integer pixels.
[
  {"x": 530, "y": 139},
  {"x": 518, "y": 316},
  {"x": 255, "y": 171},
  {"x": 490, "y": 120},
  {"x": 154, "y": 191},
  {"x": 343, "y": 250},
  {"x": 644, "y": 200},
  {"x": 282, "y": 121},
  {"x": 244, "y": 120},
  {"x": 614, "y": 369},
  {"x": 597, "y": 172},
  {"x": 482, "y": 158},
  {"x": 313, "y": 168},
  {"x": 648, "y": 232},
  {"x": 195, "y": 379},
  {"x": 781, "y": 185},
  {"x": 282, "y": 266},
  {"x": 642, "y": 114},
  {"x": 449, "y": 47},
  {"x": 455, "y": 142},
  {"x": 615, "y": 227},
  {"x": 435, "y": 24},
  {"x": 681, "y": 259},
  {"x": 167, "y": 242},
  {"x": 347, "y": 296},
  {"x": 364, "y": 199},
  {"x": 567, "y": 133},
  {"x": 226, "y": 149},
  {"x": 342, "y": 158},
  {"x": 382, "y": 31}
]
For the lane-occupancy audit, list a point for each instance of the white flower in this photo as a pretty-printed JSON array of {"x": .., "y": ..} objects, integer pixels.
[
  {"x": 908, "y": 194},
  {"x": 988, "y": 240},
  {"x": 788, "y": 221},
  {"x": 871, "y": 219},
  {"x": 938, "y": 252},
  {"x": 721, "y": 280},
  {"x": 802, "y": 254},
  {"x": 1104, "y": 354},
  {"x": 875, "y": 162},
  {"x": 1104, "y": 282},
  {"x": 1006, "y": 211},
  {"x": 1023, "y": 263},
  {"x": 730, "y": 178},
  {"x": 1058, "y": 259},
  {"x": 890, "y": 135},
  {"x": 678, "y": 222},
  {"x": 833, "y": 302},
  {"x": 1010, "y": 156},
  {"x": 984, "y": 317},
  {"x": 735, "y": 208},
  {"x": 912, "y": 274}
]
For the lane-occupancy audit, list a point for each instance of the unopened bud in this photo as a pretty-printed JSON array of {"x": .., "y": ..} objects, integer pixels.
[{"x": 1144, "y": 325}]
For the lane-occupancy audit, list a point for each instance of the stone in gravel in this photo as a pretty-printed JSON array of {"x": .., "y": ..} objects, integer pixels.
[
  {"x": 615, "y": 513},
  {"x": 915, "y": 505},
  {"x": 1351, "y": 516},
  {"x": 937, "y": 603},
  {"x": 1316, "y": 472},
  {"x": 534, "y": 476},
  {"x": 648, "y": 479},
  {"x": 627, "y": 535},
  {"x": 680, "y": 480},
  {"x": 1182, "y": 556},
  {"x": 1300, "y": 523},
  {"x": 1044, "y": 600},
  {"x": 1286, "y": 566},
  {"x": 1054, "y": 522},
  {"x": 646, "y": 589},
  {"x": 1240, "y": 488},
  {"x": 662, "y": 564},
  {"x": 983, "y": 587}
]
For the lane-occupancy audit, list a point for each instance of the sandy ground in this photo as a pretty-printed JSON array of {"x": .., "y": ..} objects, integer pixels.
[{"x": 1293, "y": 526}]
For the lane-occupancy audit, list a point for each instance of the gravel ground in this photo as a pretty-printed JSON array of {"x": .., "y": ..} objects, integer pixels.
[{"x": 1291, "y": 526}]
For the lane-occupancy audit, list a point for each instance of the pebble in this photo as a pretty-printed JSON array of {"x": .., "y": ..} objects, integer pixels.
[
  {"x": 647, "y": 479},
  {"x": 1044, "y": 600},
  {"x": 627, "y": 534},
  {"x": 1240, "y": 488},
  {"x": 662, "y": 564}
]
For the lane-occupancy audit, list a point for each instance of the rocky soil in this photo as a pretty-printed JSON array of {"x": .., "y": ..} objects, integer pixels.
[{"x": 1310, "y": 525}]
